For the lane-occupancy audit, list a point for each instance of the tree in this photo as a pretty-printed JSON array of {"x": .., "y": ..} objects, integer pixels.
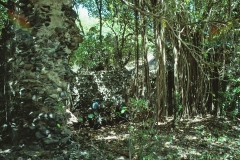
[
  {"x": 191, "y": 45},
  {"x": 114, "y": 49},
  {"x": 42, "y": 36}
]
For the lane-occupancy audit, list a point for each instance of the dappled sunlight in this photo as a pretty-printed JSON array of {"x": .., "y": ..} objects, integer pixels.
[
  {"x": 193, "y": 141},
  {"x": 119, "y": 79}
]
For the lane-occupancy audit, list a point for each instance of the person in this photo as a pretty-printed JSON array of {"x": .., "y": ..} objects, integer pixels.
[
  {"x": 95, "y": 106},
  {"x": 94, "y": 117}
]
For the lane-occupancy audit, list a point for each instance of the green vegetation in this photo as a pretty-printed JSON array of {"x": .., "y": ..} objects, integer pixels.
[
  {"x": 2, "y": 20},
  {"x": 113, "y": 45},
  {"x": 3, "y": 17},
  {"x": 185, "y": 107},
  {"x": 117, "y": 32},
  {"x": 200, "y": 47}
]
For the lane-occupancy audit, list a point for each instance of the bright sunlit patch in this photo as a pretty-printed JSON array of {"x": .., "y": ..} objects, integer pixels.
[
  {"x": 18, "y": 19},
  {"x": 83, "y": 12},
  {"x": 114, "y": 137},
  {"x": 189, "y": 137},
  {"x": 10, "y": 59}
]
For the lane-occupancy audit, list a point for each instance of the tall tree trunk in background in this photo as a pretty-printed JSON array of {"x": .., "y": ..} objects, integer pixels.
[
  {"x": 178, "y": 73},
  {"x": 45, "y": 36},
  {"x": 99, "y": 7},
  {"x": 100, "y": 53},
  {"x": 147, "y": 84},
  {"x": 176, "y": 81},
  {"x": 136, "y": 76},
  {"x": 159, "y": 33},
  {"x": 5, "y": 41}
]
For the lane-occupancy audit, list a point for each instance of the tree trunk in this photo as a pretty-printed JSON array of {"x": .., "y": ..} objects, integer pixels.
[
  {"x": 5, "y": 56},
  {"x": 161, "y": 71},
  {"x": 147, "y": 83},
  {"x": 136, "y": 76},
  {"x": 40, "y": 75}
]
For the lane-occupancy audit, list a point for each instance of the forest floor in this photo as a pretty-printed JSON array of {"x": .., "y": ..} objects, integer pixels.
[{"x": 200, "y": 138}]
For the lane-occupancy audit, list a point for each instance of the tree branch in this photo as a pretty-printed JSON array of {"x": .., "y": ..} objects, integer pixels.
[{"x": 146, "y": 13}]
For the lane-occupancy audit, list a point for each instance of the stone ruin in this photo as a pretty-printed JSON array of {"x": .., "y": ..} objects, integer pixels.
[
  {"x": 113, "y": 87},
  {"x": 109, "y": 86}
]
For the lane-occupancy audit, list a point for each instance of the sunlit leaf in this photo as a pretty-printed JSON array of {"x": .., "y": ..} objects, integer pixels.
[
  {"x": 164, "y": 23},
  {"x": 90, "y": 116},
  {"x": 80, "y": 119}
]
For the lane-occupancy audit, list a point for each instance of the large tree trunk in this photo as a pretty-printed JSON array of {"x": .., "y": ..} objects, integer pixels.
[
  {"x": 136, "y": 76},
  {"x": 45, "y": 36},
  {"x": 161, "y": 87}
]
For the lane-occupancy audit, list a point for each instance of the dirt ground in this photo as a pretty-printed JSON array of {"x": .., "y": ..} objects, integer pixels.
[{"x": 199, "y": 138}]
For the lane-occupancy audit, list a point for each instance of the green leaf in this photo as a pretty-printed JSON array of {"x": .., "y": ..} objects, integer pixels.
[
  {"x": 236, "y": 90},
  {"x": 59, "y": 126},
  {"x": 131, "y": 128},
  {"x": 80, "y": 119},
  {"x": 90, "y": 116},
  {"x": 124, "y": 109}
]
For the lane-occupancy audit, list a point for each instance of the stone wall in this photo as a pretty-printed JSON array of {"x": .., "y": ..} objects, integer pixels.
[
  {"x": 109, "y": 86},
  {"x": 37, "y": 86},
  {"x": 115, "y": 86}
]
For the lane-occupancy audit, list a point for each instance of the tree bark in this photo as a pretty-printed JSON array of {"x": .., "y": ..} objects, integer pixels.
[{"x": 136, "y": 76}]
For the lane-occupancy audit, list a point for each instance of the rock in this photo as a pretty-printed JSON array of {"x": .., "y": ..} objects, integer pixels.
[
  {"x": 50, "y": 141},
  {"x": 71, "y": 118},
  {"x": 34, "y": 147},
  {"x": 38, "y": 135},
  {"x": 60, "y": 30},
  {"x": 64, "y": 140}
]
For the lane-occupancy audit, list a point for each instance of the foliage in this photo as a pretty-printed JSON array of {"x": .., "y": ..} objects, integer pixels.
[
  {"x": 140, "y": 131},
  {"x": 3, "y": 16},
  {"x": 93, "y": 115},
  {"x": 198, "y": 43},
  {"x": 114, "y": 47},
  {"x": 140, "y": 111},
  {"x": 230, "y": 100},
  {"x": 200, "y": 40},
  {"x": 88, "y": 54},
  {"x": 59, "y": 107}
]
